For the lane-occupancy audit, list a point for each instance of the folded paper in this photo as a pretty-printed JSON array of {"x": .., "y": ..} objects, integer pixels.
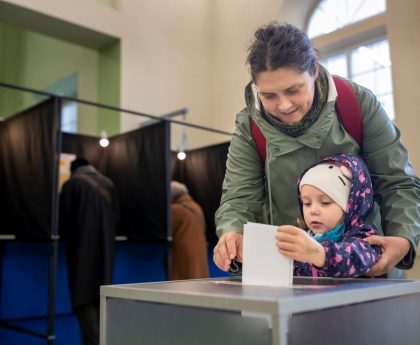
[{"x": 262, "y": 263}]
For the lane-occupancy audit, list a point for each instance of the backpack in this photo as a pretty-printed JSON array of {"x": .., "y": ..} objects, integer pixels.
[{"x": 348, "y": 113}]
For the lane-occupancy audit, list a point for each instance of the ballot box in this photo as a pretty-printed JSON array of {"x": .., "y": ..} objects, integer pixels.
[{"x": 223, "y": 311}]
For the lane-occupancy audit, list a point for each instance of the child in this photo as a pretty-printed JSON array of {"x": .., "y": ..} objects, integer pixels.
[{"x": 335, "y": 196}]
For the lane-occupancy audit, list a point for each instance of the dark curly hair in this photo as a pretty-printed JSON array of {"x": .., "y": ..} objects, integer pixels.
[{"x": 278, "y": 45}]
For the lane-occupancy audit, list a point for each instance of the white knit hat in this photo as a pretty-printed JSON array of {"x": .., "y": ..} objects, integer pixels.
[{"x": 333, "y": 180}]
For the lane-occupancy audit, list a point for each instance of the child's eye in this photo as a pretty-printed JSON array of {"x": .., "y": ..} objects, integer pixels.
[
  {"x": 326, "y": 203},
  {"x": 306, "y": 204}
]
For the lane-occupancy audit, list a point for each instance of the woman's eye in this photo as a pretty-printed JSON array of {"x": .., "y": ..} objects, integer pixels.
[
  {"x": 292, "y": 91},
  {"x": 269, "y": 96}
]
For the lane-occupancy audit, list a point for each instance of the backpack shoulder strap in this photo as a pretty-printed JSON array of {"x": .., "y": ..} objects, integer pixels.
[
  {"x": 259, "y": 140},
  {"x": 348, "y": 113},
  {"x": 348, "y": 109}
]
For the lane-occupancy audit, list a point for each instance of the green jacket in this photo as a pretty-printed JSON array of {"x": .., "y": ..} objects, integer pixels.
[{"x": 267, "y": 192}]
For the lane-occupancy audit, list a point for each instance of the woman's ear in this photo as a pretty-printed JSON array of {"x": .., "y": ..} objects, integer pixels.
[
  {"x": 257, "y": 101},
  {"x": 316, "y": 70}
]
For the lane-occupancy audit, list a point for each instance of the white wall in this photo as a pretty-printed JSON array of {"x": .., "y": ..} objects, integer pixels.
[
  {"x": 403, "y": 26},
  {"x": 62, "y": 60},
  {"x": 86, "y": 13},
  {"x": 165, "y": 60},
  {"x": 232, "y": 28},
  {"x": 405, "y": 56}
]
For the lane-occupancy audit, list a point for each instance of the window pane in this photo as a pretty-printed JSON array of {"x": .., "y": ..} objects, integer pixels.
[
  {"x": 363, "y": 9},
  {"x": 336, "y": 64},
  {"x": 387, "y": 102},
  {"x": 331, "y": 15},
  {"x": 370, "y": 67},
  {"x": 361, "y": 61},
  {"x": 383, "y": 81},
  {"x": 367, "y": 80},
  {"x": 371, "y": 56},
  {"x": 69, "y": 117}
]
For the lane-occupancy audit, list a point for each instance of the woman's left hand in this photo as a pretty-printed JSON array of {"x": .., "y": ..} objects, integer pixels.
[
  {"x": 393, "y": 251},
  {"x": 296, "y": 244}
]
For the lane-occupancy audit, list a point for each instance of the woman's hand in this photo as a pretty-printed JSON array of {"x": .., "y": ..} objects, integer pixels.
[
  {"x": 228, "y": 247},
  {"x": 296, "y": 244},
  {"x": 393, "y": 251}
]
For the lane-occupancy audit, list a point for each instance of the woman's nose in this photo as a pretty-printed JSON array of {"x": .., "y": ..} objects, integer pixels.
[{"x": 284, "y": 104}]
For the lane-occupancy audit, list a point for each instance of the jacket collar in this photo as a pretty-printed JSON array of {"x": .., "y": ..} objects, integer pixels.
[{"x": 86, "y": 169}]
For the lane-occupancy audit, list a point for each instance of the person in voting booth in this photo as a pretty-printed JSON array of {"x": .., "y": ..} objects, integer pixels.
[
  {"x": 88, "y": 217},
  {"x": 297, "y": 113},
  {"x": 189, "y": 244},
  {"x": 334, "y": 196}
]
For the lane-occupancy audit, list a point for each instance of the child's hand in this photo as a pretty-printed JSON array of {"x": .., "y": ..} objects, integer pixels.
[{"x": 298, "y": 245}]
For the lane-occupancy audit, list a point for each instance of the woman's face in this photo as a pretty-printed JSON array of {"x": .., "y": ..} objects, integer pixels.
[{"x": 286, "y": 93}]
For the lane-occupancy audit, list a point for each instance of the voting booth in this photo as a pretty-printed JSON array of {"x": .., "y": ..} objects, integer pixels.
[{"x": 224, "y": 311}]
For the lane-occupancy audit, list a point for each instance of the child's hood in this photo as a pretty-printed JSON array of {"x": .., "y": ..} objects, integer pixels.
[{"x": 361, "y": 193}]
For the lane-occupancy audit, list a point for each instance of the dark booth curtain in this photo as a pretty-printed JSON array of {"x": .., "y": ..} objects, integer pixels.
[
  {"x": 27, "y": 151},
  {"x": 137, "y": 163},
  {"x": 5, "y": 223},
  {"x": 5, "y": 227},
  {"x": 203, "y": 172},
  {"x": 87, "y": 147}
]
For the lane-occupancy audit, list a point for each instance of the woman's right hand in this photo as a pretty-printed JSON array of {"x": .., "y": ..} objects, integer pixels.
[{"x": 228, "y": 247}]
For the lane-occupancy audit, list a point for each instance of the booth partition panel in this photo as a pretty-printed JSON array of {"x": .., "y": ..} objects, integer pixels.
[
  {"x": 137, "y": 163},
  {"x": 27, "y": 152},
  {"x": 203, "y": 172}
]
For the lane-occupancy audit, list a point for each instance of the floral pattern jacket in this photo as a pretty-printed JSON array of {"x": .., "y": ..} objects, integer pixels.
[{"x": 351, "y": 255}]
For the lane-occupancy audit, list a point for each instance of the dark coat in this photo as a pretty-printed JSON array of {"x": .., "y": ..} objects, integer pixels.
[{"x": 88, "y": 226}]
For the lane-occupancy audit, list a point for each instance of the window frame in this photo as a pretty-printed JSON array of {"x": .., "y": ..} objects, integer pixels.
[
  {"x": 352, "y": 36},
  {"x": 313, "y": 8}
]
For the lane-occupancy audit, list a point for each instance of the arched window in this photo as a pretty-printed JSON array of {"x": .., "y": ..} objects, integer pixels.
[
  {"x": 330, "y": 15},
  {"x": 351, "y": 38}
]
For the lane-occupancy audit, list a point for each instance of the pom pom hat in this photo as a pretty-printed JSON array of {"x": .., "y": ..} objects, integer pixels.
[{"x": 332, "y": 179}]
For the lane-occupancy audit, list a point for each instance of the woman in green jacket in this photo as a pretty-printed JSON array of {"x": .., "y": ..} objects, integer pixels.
[{"x": 292, "y": 100}]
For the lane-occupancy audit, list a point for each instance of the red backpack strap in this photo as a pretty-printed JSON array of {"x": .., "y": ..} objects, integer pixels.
[
  {"x": 259, "y": 140},
  {"x": 348, "y": 109}
]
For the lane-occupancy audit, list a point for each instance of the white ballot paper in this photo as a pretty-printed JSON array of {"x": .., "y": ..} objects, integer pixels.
[{"x": 262, "y": 263}]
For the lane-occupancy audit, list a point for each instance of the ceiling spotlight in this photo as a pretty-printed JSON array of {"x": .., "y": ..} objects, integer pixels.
[
  {"x": 181, "y": 155},
  {"x": 104, "y": 142},
  {"x": 183, "y": 143}
]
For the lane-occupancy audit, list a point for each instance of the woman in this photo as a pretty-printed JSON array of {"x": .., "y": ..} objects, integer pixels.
[{"x": 291, "y": 99}]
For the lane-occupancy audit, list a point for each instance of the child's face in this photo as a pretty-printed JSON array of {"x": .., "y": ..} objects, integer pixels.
[{"x": 321, "y": 213}]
